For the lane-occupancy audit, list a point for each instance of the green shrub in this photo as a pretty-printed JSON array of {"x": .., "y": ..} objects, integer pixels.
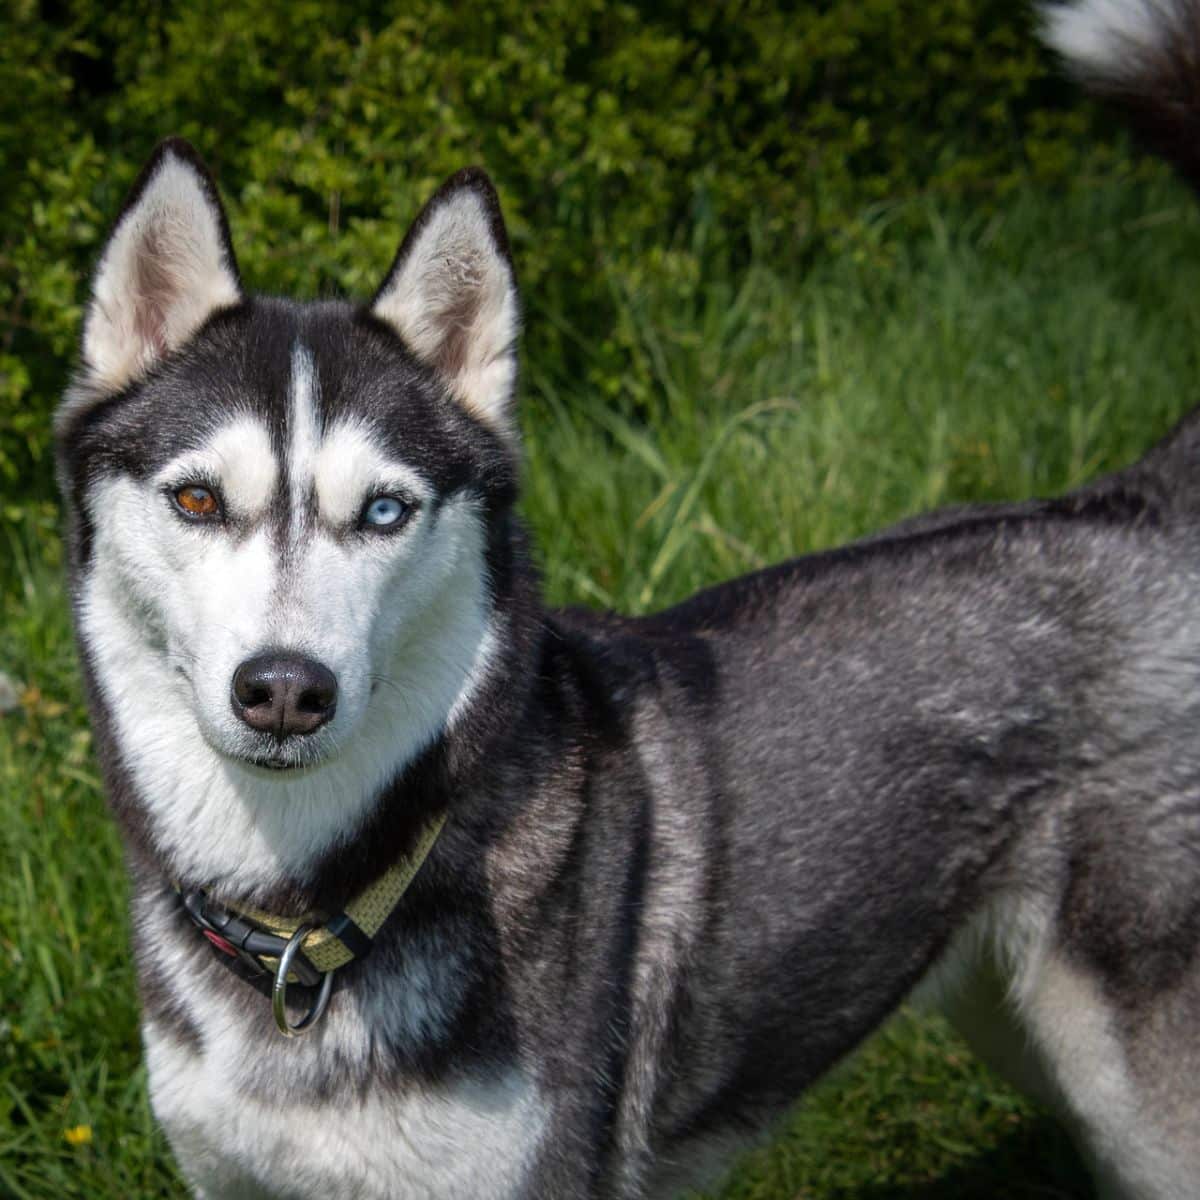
[{"x": 606, "y": 126}]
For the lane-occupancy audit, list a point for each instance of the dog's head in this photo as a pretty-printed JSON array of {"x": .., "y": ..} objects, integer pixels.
[{"x": 281, "y": 512}]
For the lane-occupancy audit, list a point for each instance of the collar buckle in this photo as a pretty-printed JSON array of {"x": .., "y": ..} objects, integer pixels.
[{"x": 236, "y": 937}]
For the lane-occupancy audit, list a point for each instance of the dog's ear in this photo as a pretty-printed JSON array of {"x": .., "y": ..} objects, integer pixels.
[
  {"x": 167, "y": 267},
  {"x": 452, "y": 297}
]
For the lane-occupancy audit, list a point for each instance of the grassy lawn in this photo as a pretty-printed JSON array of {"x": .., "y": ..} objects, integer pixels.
[{"x": 771, "y": 410}]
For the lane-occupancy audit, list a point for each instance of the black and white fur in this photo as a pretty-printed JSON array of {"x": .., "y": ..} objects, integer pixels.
[{"x": 692, "y": 859}]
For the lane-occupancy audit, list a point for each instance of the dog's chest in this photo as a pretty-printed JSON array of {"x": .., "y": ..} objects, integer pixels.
[{"x": 466, "y": 1139}]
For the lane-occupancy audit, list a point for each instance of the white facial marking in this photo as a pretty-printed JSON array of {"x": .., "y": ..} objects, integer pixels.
[
  {"x": 303, "y": 434},
  {"x": 171, "y": 609},
  {"x": 240, "y": 458}
]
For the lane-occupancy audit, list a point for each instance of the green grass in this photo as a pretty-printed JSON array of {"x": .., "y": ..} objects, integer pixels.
[{"x": 766, "y": 411}]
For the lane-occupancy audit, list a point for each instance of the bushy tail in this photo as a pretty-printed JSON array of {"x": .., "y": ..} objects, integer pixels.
[{"x": 1143, "y": 56}]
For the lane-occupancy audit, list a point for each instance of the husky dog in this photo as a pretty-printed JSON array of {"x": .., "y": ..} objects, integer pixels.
[{"x": 565, "y": 903}]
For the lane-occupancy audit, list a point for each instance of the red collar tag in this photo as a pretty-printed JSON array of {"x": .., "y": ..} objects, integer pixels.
[{"x": 220, "y": 943}]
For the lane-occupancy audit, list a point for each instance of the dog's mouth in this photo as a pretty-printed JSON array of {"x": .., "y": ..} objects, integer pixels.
[
  {"x": 280, "y": 760},
  {"x": 274, "y": 764}
]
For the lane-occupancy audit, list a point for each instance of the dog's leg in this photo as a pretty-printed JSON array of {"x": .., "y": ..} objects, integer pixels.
[{"x": 1125, "y": 1077}]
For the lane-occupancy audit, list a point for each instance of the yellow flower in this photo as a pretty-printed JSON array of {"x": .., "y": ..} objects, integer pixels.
[{"x": 78, "y": 1135}]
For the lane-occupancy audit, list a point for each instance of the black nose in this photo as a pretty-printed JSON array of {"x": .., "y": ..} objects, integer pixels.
[{"x": 284, "y": 694}]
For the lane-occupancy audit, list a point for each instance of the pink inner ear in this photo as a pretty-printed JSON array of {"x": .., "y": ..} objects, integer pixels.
[
  {"x": 455, "y": 318},
  {"x": 155, "y": 289}
]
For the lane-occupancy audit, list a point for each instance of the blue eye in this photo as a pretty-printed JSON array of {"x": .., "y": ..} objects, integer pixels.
[{"x": 384, "y": 512}]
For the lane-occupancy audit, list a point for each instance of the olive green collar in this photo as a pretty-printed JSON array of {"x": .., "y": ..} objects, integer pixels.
[{"x": 308, "y": 951}]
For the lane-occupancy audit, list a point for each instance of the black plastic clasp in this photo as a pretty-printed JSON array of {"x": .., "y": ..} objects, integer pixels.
[{"x": 230, "y": 933}]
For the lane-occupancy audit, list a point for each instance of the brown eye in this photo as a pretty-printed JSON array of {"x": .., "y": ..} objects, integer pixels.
[{"x": 197, "y": 501}]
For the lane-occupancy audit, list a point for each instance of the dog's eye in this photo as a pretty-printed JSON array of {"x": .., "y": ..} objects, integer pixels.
[
  {"x": 196, "y": 501},
  {"x": 385, "y": 512}
]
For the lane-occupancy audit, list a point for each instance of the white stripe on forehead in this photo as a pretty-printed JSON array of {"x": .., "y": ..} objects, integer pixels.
[
  {"x": 240, "y": 458},
  {"x": 303, "y": 436}
]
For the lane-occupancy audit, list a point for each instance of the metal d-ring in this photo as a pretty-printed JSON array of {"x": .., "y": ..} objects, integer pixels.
[{"x": 279, "y": 989}]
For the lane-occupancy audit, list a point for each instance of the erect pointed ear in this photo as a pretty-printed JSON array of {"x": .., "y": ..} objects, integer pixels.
[
  {"x": 167, "y": 267},
  {"x": 452, "y": 297}
]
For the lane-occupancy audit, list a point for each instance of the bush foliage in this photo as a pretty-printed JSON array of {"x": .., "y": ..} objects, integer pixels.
[{"x": 606, "y": 127}]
